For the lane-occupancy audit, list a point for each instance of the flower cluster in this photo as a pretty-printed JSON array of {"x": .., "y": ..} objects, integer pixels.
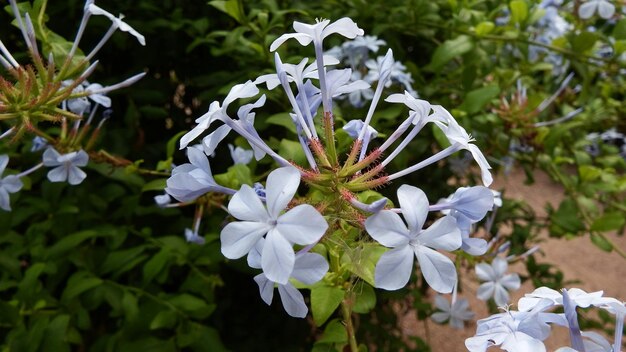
[
  {"x": 526, "y": 329},
  {"x": 295, "y": 240},
  {"x": 35, "y": 94}
]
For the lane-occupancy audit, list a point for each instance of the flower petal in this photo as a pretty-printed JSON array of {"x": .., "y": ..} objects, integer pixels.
[
  {"x": 343, "y": 26},
  {"x": 211, "y": 141},
  {"x": 58, "y": 174},
  {"x": 499, "y": 265},
  {"x": 309, "y": 268},
  {"x": 281, "y": 186},
  {"x": 239, "y": 237},
  {"x": 75, "y": 175},
  {"x": 606, "y": 9},
  {"x": 246, "y": 205},
  {"x": 11, "y": 183},
  {"x": 586, "y": 10},
  {"x": 438, "y": 270},
  {"x": 511, "y": 281},
  {"x": 293, "y": 302},
  {"x": 302, "y": 225},
  {"x": 387, "y": 228},
  {"x": 443, "y": 234},
  {"x": 50, "y": 157},
  {"x": 278, "y": 258},
  {"x": 485, "y": 272},
  {"x": 303, "y": 39},
  {"x": 485, "y": 291},
  {"x": 414, "y": 204},
  {"x": 482, "y": 162},
  {"x": 394, "y": 268},
  {"x": 266, "y": 288},
  {"x": 500, "y": 296},
  {"x": 440, "y": 317}
]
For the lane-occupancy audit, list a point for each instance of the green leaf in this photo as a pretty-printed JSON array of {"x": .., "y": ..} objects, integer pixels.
[
  {"x": 231, "y": 8},
  {"x": 130, "y": 306},
  {"x": 78, "y": 283},
  {"x": 449, "y": 50},
  {"x": 324, "y": 301},
  {"x": 601, "y": 242},
  {"x": 608, "y": 222},
  {"x": 155, "y": 265},
  {"x": 292, "y": 151},
  {"x": 519, "y": 10},
  {"x": 589, "y": 173},
  {"x": 334, "y": 332},
  {"x": 619, "y": 31},
  {"x": 478, "y": 98},
  {"x": 164, "y": 319},
  {"x": 193, "y": 305},
  {"x": 583, "y": 41},
  {"x": 155, "y": 185},
  {"x": 119, "y": 259},
  {"x": 172, "y": 144},
  {"x": 362, "y": 261},
  {"x": 282, "y": 119},
  {"x": 68, "y": 243},
  {"x": 365, "y": 298},
  {"x": 235, "y": 176},
  {"x": 54, "y": 339},
  {"x": 484, "y": 28}
]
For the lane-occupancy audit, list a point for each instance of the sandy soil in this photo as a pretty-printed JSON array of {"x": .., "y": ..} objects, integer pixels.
[{"x": 578, "y": 259}]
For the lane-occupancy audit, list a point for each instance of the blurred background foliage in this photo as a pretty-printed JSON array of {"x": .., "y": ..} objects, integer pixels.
[{"x": 99, "y": 267}]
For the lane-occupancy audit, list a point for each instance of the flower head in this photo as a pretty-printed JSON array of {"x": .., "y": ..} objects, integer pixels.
[
  {"x": 8, "y": 184},
  {"x": 603, "y": 7},
  {"x": 497, "y": 282},
  {"x": 456, "y": 313},
  {"x": 67, "y": 166},
  {"x": 307, "y": 33}
]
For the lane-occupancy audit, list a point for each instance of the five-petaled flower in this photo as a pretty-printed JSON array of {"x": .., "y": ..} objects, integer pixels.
[
  {"x": 302, "y": 224},
  {"x": 497, "y": 281},
  {"x": 66, "y": 166}
]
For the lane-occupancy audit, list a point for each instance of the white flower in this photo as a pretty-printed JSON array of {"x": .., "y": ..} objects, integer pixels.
[
  {"x": 394, "y": 267},
  {"x": 67, "y": 166},
  {"x": 117, "y": 22},
  {"x": 301, "y": 225},
  {"x": 497, "y": 282},
  {"x": 604, "y": 8},
  {"x": 354, "y": 127},
  {"x": 305, "y": 33},
  {"x": 8, "y": 184},
  {"x": 162, "y": 200},
  {"x": 455, "y": 313},
  {"x": 420, "y": 109},
  {"x": 460, "y": 138},
  {"x": 192, "y": 180},
  {"x": 579, "y": 298}
]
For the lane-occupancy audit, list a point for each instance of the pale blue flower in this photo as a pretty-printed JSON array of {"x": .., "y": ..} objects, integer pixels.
[
  {"x": 456, "y": 313},
  {"x": 117, "y": 22},
  {"x": 497, "y": 282},
  {"x": 354, "y": 127},
  {"x": 193, "y": 237},
  {"x": 301, "y": 225},
  {"x": 577, "y": 296},
  {"x": 66, "y": 166},
  {"x": 162, "y": 200},
  {"x": 39, "y": 143},
  {"x": 604, "y": 9},
  {"x": 192, "y": 180},
  {"x": 8, "y": 184},
  {"x": 240, "y": 155},
  {"x": 308, "y": 269},
  {"x": 394, "y": 267},
  {"x": 307, "y": 33}
]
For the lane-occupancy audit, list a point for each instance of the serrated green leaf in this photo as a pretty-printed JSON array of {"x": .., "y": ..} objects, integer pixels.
[{"x": 324, "y": 301}]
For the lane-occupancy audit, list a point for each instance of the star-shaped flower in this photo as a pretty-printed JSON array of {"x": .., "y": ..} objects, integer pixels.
[
  {"x": 456, "y": 313},
  {"x": 302, "y": 224},
  {"x": 394, "y": 267},
  {"x": 307, "y": 33},
  {"x": 603, "y": 7},
  {"x": 67, "y": 166},
  {"x": 8, "y": 184},
  {"x": 497, "y": 282}
]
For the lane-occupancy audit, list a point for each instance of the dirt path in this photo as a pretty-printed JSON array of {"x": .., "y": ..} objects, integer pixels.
[{"x": 578, "y": 259}]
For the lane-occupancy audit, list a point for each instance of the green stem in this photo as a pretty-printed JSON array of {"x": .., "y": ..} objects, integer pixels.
[
  {"x": 346, "y": 309},
  {"x": 329, "y": 133}
]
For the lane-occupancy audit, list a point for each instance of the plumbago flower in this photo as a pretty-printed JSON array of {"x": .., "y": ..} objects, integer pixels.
[
  {"x": 497, "y": 282},
  {"x": 8, "y": 184},
  {"x": 301, "y": 225},
  {"x": 455, "y": 312},
  {"x": 395, "y": 266},
  {"x": 66, "y": 166},
  {"x": 525, "y": 330},
  {"x": 318, "y": 217}
]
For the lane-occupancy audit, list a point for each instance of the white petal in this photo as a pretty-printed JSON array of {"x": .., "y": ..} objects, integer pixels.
[
  {"x": 414, "y": 204},
  {"x": 606, "y": 9},
  {"x": 50, "y": 157},
  {"x": 309, "y": 268},
  {"x": 101, "y": 99},
  {"x": 293, "y": 302},
  {"x": 499, "y": 265},
  {"x": 58, "y": 174},
  {"x": 511, "y": 282},
  {"x": 474, "y": 246},
  {"x": 485, "y": 272},
  {"x": 500, "y": 296},
  {"x": 75, "y": 175},
  {"x": 343, "y": 26},
  {"x": 443, "y": 234},
  {"x": 281, "y": 186},
  {"x": 302, "y": 225},
  {"x": 485, "y": 291},
  {"x": 240, "y": 91},
  {"x": 482, "y": 162},
  {"x": 266, "y": 288},
  {"x": 211, "y": 142},
  {"x": 442, "y": 303},
  {"x": 239, "y": 237},
  {"x": 440, "y": 317},
  {"x": 586, "y": 10},
  {"x": 387, "y": 228},
  {"x": 520, "y": 342},
  {"x": 254, "y": 256},
  {"x": 394, "y": 268},
  {"x": 474, "y": 202},
  {"x": 11, "y": 183},
  {"x": 246, "y": 205},
  {"x": 5, "y": 201},
  {"x": 4, "y": 161},
  {"x": 303, "y": 39},
  {"x": 278, "y": 258},
  {"x": 81, "y": 159},
  {"x": 438, "y": 270}
]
